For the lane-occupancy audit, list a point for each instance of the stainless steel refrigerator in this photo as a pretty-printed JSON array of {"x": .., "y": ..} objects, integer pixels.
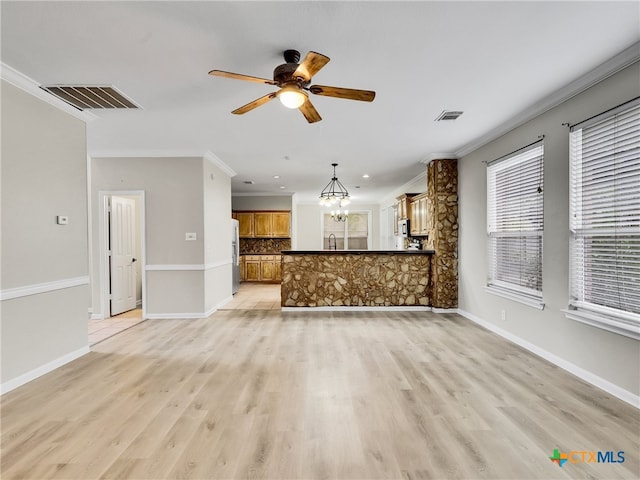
[{"x": 235, "y": 247}]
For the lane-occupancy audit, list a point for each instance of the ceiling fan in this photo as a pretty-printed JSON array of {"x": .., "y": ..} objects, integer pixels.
[{"x": 293, "y": 79}]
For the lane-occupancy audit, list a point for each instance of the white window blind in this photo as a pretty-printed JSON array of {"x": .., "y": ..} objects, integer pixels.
[
  {"x": 515, "y": 222},
  {"x": 605, "y": 217}
]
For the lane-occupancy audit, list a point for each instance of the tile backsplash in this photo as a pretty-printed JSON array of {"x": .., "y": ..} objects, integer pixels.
[{"x": 264, "y": 245}]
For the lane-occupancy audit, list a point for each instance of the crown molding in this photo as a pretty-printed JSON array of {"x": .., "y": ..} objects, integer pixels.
[
  {"x": 145, "y": 153},
  {"x": 215, "y": 160},
  {"x": 208, "y": 155},
  {"x": 438, "y": 156},
  {"x": 612, "y": 66},
  {"x": 263, "y": 194},
  {"x": 29, "y": 85}
]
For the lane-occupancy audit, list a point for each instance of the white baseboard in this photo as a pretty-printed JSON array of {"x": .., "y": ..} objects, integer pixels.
[
  {"x": 358, "y": 309},
  {"x": 224, "y": 302},
  {"x": 579, "y": 372},
  {"x": 172, "y": 316},
  {"x": 139, "y": 303},
  {"x": 42, "y": 370},
  {"x": 97, "y": 316},
  {"x": 444, "y": 310}
]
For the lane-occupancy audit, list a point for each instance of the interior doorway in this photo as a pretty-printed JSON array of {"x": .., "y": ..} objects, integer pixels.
[{"x": 122, "y": 253}]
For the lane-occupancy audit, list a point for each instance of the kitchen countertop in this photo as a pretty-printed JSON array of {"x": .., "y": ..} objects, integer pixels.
[
  {"x": 262, "y": 253},
  {"x": 358, "y": 252}
]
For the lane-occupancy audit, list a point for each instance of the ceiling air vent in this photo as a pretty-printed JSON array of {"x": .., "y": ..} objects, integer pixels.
[
  {"x": 448, "y": 115},
  {"x": 90, "y": 96}
]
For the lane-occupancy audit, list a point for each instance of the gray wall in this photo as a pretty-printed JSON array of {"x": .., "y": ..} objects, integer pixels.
[
  {"x": 44, "y": 174},
  {"x": 267, "y": 202},
  {"x": 611, "y": 357},
  {"x": 182, "y": 194}
]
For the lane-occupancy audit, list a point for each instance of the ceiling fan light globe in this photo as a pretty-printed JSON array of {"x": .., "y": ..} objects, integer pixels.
[{"x": 291, "y": 97}]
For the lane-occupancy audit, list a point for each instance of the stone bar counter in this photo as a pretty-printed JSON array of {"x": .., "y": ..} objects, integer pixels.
[{"x": 359, "y": 278}]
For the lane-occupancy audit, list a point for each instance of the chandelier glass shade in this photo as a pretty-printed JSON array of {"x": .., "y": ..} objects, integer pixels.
[
  {"x": 339, "y": 215},
  {"x": 334, "y": 193}
]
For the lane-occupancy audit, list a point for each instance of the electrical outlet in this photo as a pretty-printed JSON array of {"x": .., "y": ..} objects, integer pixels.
[
  {"x": 503, "y": 315},
  {"x": 190, "y": 236}
]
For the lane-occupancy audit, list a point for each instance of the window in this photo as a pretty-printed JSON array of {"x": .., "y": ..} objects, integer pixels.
[
  {"x": 515, "y": 225},
  {"x": 350, "y": 235},
  {"x": 605, "y": 220}
]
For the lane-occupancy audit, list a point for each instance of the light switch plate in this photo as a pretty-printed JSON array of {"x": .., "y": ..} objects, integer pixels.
[
  {"x": 62, "y": 220},
  {"x": 190, "y": 236}
]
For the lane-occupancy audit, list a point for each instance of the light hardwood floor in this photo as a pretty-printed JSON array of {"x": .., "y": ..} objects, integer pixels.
[
  {"x": 356, "y": 395},
  {"x": 100, "y": 330}
]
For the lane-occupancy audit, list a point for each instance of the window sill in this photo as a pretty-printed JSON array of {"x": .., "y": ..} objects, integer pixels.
[
  {"x": 515, "y": 296},
  {"x": 604, "y": 322}
]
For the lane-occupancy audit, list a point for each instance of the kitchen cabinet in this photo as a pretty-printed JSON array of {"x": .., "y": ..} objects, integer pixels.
[
  {"x": 395, "y": 219},
  {"x": 245, "y": 224},
  {"x": 267, "y": 268},
  {"x": 264, "y": 224},
  {"x": 403, "y": 205},
  {"x": 252, "y": 268},
  {"x": 262, "y": 268},
  {"x": 281, "y": 224},
  {"x": 418, "y": 211}
]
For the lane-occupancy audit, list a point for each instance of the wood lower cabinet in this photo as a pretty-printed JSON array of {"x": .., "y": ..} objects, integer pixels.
[
  {"x": 252, "y": 268},
  {"x": 262, "y": 268}
]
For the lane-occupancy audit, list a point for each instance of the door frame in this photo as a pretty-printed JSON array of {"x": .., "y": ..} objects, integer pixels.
[{"x": 103, "y": 233}]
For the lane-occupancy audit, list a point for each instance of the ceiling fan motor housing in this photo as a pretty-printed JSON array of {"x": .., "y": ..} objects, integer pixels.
[{"x": 283, "y": 74}]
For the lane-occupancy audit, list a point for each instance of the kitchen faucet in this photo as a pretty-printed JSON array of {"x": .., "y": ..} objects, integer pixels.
[{"x": 335, "y": 245}]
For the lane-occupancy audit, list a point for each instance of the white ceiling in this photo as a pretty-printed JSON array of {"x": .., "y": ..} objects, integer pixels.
[{"x": 493, "y": 60}]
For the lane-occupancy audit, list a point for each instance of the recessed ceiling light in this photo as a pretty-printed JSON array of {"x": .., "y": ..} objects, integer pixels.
[
  {"x": 276, "y": 176},
  {"x": 282, "y": 186},
  {"x": 366, "y": 175}
]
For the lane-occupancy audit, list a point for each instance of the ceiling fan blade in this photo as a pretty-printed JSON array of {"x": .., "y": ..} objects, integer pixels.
[
  {"x": 239, "y": 76},
  {"x": 309, "y": 112},
  {"x": 311, "y": 65},
  {"x": 255, "y": 104},
  {"x": 347, "y": 93}
]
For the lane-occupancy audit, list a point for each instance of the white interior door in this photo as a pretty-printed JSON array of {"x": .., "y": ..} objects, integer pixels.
[{"x": 122, "y": 246}]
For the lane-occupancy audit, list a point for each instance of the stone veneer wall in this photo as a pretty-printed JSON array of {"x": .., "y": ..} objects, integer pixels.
[
  {"x": 320, "y": 280},
  {"x": 264, "y": 245},
  {"x": 442, "y": 193}
]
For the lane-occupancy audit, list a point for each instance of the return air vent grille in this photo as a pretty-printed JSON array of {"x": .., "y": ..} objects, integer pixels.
[
  {"x": 90, "y": 96},
  {"x": 448, "y": 115}
]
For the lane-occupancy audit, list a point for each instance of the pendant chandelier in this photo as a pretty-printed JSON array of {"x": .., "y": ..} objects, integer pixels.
[
  {"x": 339, "y": 216},
  {"x": 334, "y": 192}
]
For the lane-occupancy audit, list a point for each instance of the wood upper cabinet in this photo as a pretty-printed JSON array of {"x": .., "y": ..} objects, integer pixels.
[
  {"x": 418, "y": 211},
  {"x": 264, "y": 224},
  {"x": 404, "y": 212},
  {"x": 245, "y": 221},
  {"x": 281, "y": 224},
  {"x": 395, "y": 219}
]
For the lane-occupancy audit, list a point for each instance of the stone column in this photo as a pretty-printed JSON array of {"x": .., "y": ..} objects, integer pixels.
[{"x": 442, "y": 192}]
